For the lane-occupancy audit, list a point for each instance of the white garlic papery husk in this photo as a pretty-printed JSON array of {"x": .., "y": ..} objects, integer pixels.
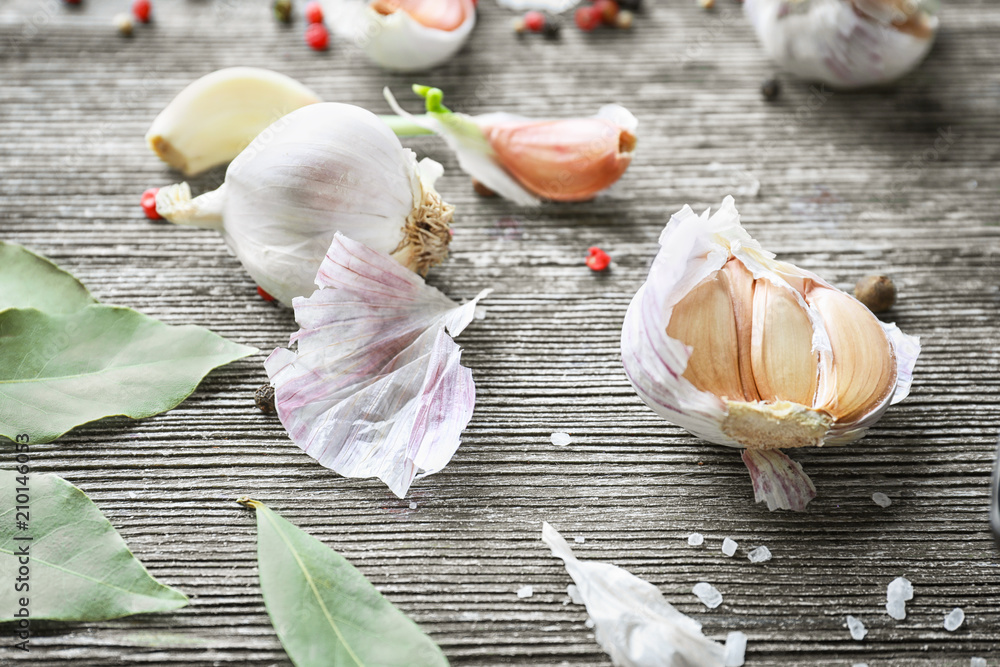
[
  {"x": 527, "y": 160},
  {"x": 375, "y": 387},
  {"x": 322, "y": 169},
  {"x": 844, "y": 43},
  {"x": 403, "y": 35},
  {"x": 746, "y": 351},
  {"x": 633, "y": 622}
]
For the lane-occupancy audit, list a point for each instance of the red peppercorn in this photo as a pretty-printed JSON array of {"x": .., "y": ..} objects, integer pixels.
[
  {"x": 72, "y": 2},
  {"x": 142, "y": 10},
  {"x": 264, "y": 295},
  {"x": 314, "y": 13},
  {"x": 534, "y": 21},
  {"x": 587, "y": 18},
  {"x": 317, "y": 36},
  {"x": 608, "y": 10},
  {"x": 597, "y": 259},
  {"x": 149, "y": 204}
]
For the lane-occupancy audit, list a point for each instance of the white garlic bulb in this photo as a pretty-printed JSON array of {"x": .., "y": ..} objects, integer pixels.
[
  {"x": 844, "y": 43},
  {"x": 322, "y": 169},
  {"x": 403, "y": 35},
  {"x": 746, "y": 351}
]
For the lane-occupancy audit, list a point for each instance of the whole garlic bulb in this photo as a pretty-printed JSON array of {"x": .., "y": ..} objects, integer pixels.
[
  {"x": 404, "y": 35},
  {"x": 844, "y": 43},
  {"x": 746, "y": 351},
  {"x": 322, "y": 169}
]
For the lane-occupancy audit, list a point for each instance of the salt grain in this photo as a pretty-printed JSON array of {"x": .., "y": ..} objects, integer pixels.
[
  {"x": 579, "y": 540},
  {"x": 590, "y": 623},
  {"x": 525, "y": 592},
  {"x": 977, "y": 662},
  {"x": 574, "y": 594},
  {"x": 413, "y": 506},
  {"x": 954, "y": 619},
  {"x": 561, "y": 439},
  {"x": 881, "y": 499},
  {"x": 696, "y": 539},
  {"x": 899, "y": 591},
  {"x": 736, "y": 648},
  {"x": 479, "y": 313},
  {"x": 857, "y": 628},
  {"x": 860, "y": 664},
  {"x": 729, "y": 546},
  {"x": 759, "y": 555},
  {"x": 708, "y": 594}
]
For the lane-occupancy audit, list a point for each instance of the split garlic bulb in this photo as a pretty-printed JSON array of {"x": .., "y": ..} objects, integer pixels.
[
  {"x": 404, "y": 35},
  {"x": 844, "y": 43},
  {"x": 322, "y": 169},
  {"x": 746, "y": 351}
]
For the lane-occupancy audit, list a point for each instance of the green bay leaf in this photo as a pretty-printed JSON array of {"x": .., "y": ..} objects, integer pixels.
[
  {"x": 325, "y": 612},
  {"x": 28, "y": 280},
  {"x": 79, "y": 568},
  {"x": 60, "y": 371}
]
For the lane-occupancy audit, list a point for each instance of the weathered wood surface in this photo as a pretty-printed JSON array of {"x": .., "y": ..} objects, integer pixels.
[{"x": 848, "y": 184}]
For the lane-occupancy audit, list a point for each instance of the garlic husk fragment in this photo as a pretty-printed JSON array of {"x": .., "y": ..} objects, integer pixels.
[
  {"x": 844, "y": 43},
  {"x": 375, "y": 387},
  {"x": 400, "y": 40},
  {"x": 322, "y": 169},
  {"x": 527, "y": 160},
  {"x": 633, "y": 622},
  {"x": 746, "y": 351},
  {"x": 212, "y": 120}
]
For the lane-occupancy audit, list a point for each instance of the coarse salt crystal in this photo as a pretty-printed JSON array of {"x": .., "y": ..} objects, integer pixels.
[
  {"x": 860, "y": 664},
  {"x": 590, "y": 622},
  {"x": 954, "y": 619},
  {"x": 479, "y": 313},
  {"x": 708, "y": 594},
  {"x": 759, "y": 555},
  {"x": 736, "y": 648},
  {"x": 525, "y": 592},
  {"x": 696, "y": 539},
  {"x": 898, "y": 592},
  {"x": 881, "y": 499},
  {"x": 574, "y": 594},
  {"x": 561, "y": 439},
  {"x": 977, "y": 662},
  {"x": 579, "y": 540},
  {"x": 413, "y": 506},
  {"x": 857, "y": 628},
  {"x": 729, "y": 546}
]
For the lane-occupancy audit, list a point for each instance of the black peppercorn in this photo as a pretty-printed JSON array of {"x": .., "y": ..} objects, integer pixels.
[{"x": 263, "y": 398}]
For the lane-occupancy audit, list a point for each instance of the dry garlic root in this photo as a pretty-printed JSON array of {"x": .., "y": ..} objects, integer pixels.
[{"x": 746, "y": 351}]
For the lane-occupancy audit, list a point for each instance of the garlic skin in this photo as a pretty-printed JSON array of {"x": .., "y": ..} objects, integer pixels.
[
  {"x": 749, "y": 352},
  {"x": 212, "y": 120},
  {"x": 527, "y": 160},
  {"x": 400, "y": 40},
  {"x": 844, "y": 43},
  {"x": 322, "y": 169}
]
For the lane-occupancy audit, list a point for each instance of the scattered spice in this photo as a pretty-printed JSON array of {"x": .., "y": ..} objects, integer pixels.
[
  {"x": 481, "y": 189},
  {"x": 283, "y": 10},
  {"x": 123, "y": 23},
  {"x": 624, "y": 19},
  {"x": 149, "y": 204},
  {"x": 264, "y": 295},
  {"x": 263, "y": 398},
  {"x": 597, "y": 259},
  {"x": 142, "y": 9},
  {"x": 770, "y": 89},
  {"x": 317, "y": 36},
  {"x": 534, "y": 21},
  {"x": 552, "y": 28},
  {"x": 314, "y": 12},
  {"x": 877, "y": 292},
  {"x": 518, "y": 25},
  {"x": 631, "y": 5},
  {"x": 608, "y": 9},
  {"x": 587, "y": 18},
  {"x": 706, "y": 4}
]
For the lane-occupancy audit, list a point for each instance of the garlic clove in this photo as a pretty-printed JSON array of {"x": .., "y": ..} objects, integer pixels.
[
  {"x": 785, "y": 367},
  {"x": 217, "y": 116},
  {"x": 442, "y": 15}
]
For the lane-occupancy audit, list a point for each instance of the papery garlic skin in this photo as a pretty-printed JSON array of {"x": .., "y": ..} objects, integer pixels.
[
  {"x": 323, "y": 169},
  {"x": 844, "y": 43},
  {"x": 746, "y": 351},
  {"x": 214, "y": 118},
  {"x": 400, "y": 41}
]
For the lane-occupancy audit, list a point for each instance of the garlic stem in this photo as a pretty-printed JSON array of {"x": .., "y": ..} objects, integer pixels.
[
  {"x": 404, "y": 127},
  {"x": 176, "y": 205}
]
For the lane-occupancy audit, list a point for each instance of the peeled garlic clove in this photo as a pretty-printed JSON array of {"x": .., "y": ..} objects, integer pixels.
[
  {"x": 526, "y": 160},
  {"x": 322, "y": 169},
  {"x": 217, "y": 116},
  {"x": 844, "y": 43},
  {"x": 749, "y": 352},
  {"x": 404, "y": 35}
]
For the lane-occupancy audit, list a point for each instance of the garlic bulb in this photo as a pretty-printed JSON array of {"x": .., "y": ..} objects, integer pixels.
[
  {"x": 526, "y": 159},
  {"x": 322, "y": 169},
  {"x": 844, "y": 43},
  {"x": 404, "y": 35},
  {"x": 746, "y": 351},
  {"x": 217, "y": 116}
]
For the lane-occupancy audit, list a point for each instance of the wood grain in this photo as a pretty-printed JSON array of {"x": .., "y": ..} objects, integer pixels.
[{"x": 849, "y": 188}]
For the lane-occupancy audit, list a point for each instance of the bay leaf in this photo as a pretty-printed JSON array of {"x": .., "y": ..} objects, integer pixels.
[
  {"x": 60, "y": 371},
  {"x": 79, "y": 568},
  {"x": 28, "y": 280},
  {"x": 325, "y": 612}
]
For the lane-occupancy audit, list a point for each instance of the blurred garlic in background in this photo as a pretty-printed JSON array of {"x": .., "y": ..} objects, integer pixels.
[
  {"x": 845, "y": 43},
  {"x": 749, "y": 352},
  {"x": 403, "y": 35}
]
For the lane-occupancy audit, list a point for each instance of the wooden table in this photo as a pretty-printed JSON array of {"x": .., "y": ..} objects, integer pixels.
[{"x": 844, "y": 187}]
